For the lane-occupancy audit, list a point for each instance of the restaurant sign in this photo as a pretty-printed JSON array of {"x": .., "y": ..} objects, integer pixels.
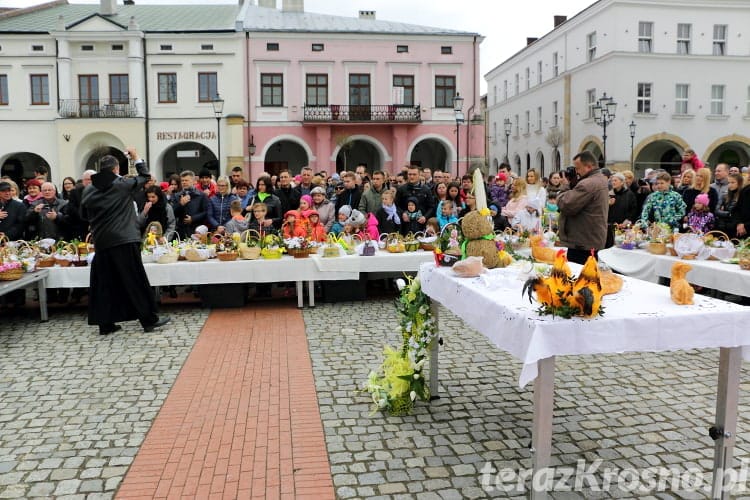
[{"x": 186, "y": 135}]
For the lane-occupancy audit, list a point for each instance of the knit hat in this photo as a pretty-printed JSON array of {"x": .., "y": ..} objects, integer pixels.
[
  {"x": 501, "y": 177},
  {"x": 295, "y": 213},
  {"x": 307, "y": 213},
  {"x": 317, "y": 190},
  {"x": 308, "y": 199},
  {"x": 164, "y": 186},
  {"x": 702, "y": 199},
  {"x": 34, "y": 182},
  {"x": 533, "y": 203},
  {"x": 345, "y": 210},
  {"x": 335, "y": 176},
  {"x": 647, "y": 173},
  {"x": 357, "y": 218}
]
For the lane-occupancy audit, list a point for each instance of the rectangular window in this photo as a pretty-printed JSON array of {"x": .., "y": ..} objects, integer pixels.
[
  {"x": 720, "y": 39},
  {"x": 272, "y": 47},
  {"x": 446, "y": 49},
  {"x": 555, "y": 67},
  {"x": 539, "y": 119},
  {"x": 528, "y": 122},
  {"x": 87, "y": 48},
  {"x": 207, "y": 46},
  {"x": 644, "y": 98},
  {"x": 554, "y": 114},
  {"x": 39, "y": 89},
  {"x": 517, "y": 125},
  {"x": 590, "y": 102},
  {"x": 165, "y": 47},
  {"x": 88, "y": 93},
  {"x": 318, "y": 47},
  {"x": 37, "y": 48},
  {"x": 118, "y": 89},
  {"x": 167, "y": 87},
  {"x": 359, "y": 89},
  {"x": 402, "y": 49},
  {"x": 591, "y": 46},
  {"x": 3, "y": 90},
  {"x": 271, "y": 89},
  {"x": 539, "y": 72},
  {"x": 316, "y": 89},
  {"x": 207, "y": 87},
  {"x": 494, "y": 133},
  {"x": 505, "y": 90},
  {"x": 407, "y": 83},
  {"x": 645, "y": 37},
  {"x": 528, "y": 78},
  {"x": 683, "y": 38},
  {"x": 445, "y": 91},
  {"x": 717, "y": 99},
  {"x": 518, "y": 85},
  {"x": 117, "y": 47},
  {"x": 681, "y": 94}
]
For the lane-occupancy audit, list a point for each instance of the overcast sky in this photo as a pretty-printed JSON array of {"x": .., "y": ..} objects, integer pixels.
[{"x": 505, "y": 25}]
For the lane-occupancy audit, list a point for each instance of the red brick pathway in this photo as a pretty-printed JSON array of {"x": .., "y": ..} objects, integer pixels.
[{"x": 242, "y": 418}]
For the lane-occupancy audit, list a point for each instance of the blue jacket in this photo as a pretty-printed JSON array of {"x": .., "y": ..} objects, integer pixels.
[{"x": 218, "y": 209}]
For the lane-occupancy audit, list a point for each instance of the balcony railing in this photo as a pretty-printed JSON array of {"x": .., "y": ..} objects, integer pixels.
[
  {"x": 98, "y": 108},
  {"x": 367, "y": 114}
]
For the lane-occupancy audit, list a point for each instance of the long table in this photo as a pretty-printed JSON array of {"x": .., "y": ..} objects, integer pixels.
[
  {"x": 39, "y": 279},
  {"x": 641, "y": 317},
  {"x": 212, "y": 271},
  {"x": 727, "y": 278}
]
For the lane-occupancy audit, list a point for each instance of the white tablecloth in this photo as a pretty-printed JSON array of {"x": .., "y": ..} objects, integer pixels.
[
  {"x": 727, "y": 278},
  {"x": 641, "y": 317},
  {"x": 212, "y": 271},
  {"x": 382, "y": 261}
]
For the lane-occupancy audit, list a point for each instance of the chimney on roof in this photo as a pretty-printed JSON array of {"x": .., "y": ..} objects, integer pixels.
[
  {"x": 107, "y": 7},
  {"x": 133, "y": 24},
  {"x": 559, "y": 20},
  {"x": 367, "y": 14},
  {"x": 129, "y": 2},
  {"x": 60, "y": 23},
  {"x": 530, "y": 40},
  {"x": 292, "y": 5},
  {"x": 270, "y": 4}
]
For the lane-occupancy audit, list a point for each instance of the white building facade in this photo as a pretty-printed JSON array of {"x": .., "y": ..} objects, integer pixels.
[{"x": 676, "y": 70}]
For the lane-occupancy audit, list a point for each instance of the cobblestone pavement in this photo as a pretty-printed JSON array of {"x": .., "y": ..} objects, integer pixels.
[
  {"x": 75, "y": 407},
  {"x": 631, "y": 411}
]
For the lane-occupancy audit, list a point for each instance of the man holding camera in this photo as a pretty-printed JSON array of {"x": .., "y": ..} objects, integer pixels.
[
  {"x": 583, "y": 210},
  {"x": 47, "y": 214},
  {"x": 190, "y": 206}
]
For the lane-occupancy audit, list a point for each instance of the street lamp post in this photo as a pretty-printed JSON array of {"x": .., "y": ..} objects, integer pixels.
[
  {"x": 604, "y": 113},
  {"x": 218, "y": 105},
  {"x": 507, "y": 124},
  {"x": 632, "y": 139},
  {"x": 458, "y": 106}
]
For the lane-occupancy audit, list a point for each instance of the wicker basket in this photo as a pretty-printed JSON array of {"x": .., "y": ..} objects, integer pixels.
[
  {"x": 47, "y": 261},
  {"x": 657, "y": 247},
  {"x": 63, "y": 262},
  {"x": 227, "y": 256},
  {"x": 298, "y": 253},
  {"x": 11, "y": 274},
  {"x": 249, "y": 247},
  {"x": 402, "y": 406}
]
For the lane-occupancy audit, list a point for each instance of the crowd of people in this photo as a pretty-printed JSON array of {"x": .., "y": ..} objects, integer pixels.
[{"x": 415, "y": 199}]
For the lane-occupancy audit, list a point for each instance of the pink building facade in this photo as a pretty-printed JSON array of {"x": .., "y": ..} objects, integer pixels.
[{"x": 333, "y": 92}]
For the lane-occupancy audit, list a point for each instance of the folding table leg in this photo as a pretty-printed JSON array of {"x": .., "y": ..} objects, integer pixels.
[
  {"x": 730, "y": 363},
  {"x": 541, "y": 433},
  {"x": 311, "y": 293},
  {"x": 434, "y": 350},
  {"x": 300, "y": 294},
  {"x": 42, "y": 287}
]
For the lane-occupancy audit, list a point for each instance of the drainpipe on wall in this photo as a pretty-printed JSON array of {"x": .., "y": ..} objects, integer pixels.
[
  {"x": 146, "y": 105},
  {"x": 247, "y": 99}
]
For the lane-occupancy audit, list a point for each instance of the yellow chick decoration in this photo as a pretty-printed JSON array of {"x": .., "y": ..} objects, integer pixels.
[{"x": 151, "y": 239}]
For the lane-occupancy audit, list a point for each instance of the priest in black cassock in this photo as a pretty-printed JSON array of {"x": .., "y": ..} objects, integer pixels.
[{"x": 119, "y": 288}]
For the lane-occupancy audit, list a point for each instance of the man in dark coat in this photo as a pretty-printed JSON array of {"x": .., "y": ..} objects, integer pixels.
[
  {"x": 190, "y": 206},
  {"x": 119, "y": 289},
  {"x": 288, "y": 196},
  {"x": 413, "y": 188},
  {"x": 12, "y": 214}
]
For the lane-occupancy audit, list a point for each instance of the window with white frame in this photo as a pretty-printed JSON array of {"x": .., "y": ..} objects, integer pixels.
[
  {"x": 539, "y": 119},
  {"x": 555, "y": 66},
  {"x": 590, "y": 102},
  {"x": 539, "y": 72},
  {"x": 645, "y": 37},
  {"x": 720, "y": 40},
  {"x": 528, "y": 78},
  {"x": 517, "y": 125},
  {"x": 683, "y": 38},
  {"x": 717, "y": 99},
  {"x": 644, "y": 98},
  {"x": 591, "y": 46},
  {"x": 554, "y": 114},
  {"x": 681, "y": 98},
  {"x": 518, "y": 87},
  {"x": 528, "y": 121}
]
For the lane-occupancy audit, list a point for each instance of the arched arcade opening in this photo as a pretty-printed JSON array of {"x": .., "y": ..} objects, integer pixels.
[{"x": 20, "y": 166}]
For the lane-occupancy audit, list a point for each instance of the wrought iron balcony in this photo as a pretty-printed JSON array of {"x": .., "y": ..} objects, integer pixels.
[
  {"x": 391, "y": 113},
  {"x": 98, "y": 108}
]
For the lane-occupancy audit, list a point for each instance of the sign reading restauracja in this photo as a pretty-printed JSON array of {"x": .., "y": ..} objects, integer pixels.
[{"x": 185, "y": 136}]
